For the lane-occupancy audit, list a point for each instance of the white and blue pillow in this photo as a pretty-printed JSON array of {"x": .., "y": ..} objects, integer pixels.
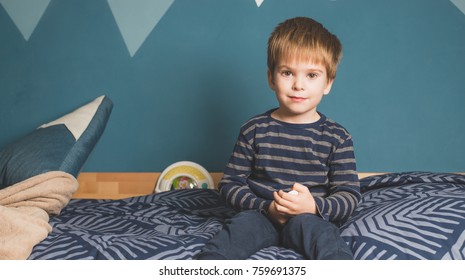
[{"x": 61, "y": 145}]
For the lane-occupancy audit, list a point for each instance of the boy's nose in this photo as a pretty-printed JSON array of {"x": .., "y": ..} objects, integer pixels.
[{"x": 298, "y": 84}]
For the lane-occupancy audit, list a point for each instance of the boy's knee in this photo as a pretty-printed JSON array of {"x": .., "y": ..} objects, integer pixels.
[
  {"x": 244, "y": 234},
  {"x": 315, "y": 238},
  {"x": 254, "y": 221},
  {"x": 309, "y": 225},
  {"x": 249, "y": 216},
  {"x": 304, "y": 220}
]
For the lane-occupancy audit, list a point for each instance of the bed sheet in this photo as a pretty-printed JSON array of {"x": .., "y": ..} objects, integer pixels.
[{"x": 168, "y": 225}]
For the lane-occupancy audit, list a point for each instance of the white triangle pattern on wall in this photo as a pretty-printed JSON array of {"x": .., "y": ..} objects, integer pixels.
[
  {"x": 136, "y": 19},
  {"x": 26, "y": 14},
  {"x": 259, "y": 2},
  {"x": 460, "y": 4}
]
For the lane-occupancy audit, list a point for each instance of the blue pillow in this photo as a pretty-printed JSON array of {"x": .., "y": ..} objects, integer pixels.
[{"x": 61, "y": 145}]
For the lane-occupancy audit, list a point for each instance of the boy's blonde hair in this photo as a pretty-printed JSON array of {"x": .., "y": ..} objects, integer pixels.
[{"x": 304, "y": 38}]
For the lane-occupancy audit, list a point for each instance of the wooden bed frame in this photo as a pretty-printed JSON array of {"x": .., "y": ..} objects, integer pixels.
[{"x": 116, "y": 185}]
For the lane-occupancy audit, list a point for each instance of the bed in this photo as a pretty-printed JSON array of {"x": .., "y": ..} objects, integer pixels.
[
  {"x": 409, "y": 215},
  {"x": 413, "y": 215}
]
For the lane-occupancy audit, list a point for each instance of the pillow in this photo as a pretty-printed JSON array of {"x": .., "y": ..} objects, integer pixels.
[{"x": 61, "y": 145}]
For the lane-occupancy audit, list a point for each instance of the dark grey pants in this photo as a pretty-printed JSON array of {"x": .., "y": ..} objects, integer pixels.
[{"x": 250, "y": 231}]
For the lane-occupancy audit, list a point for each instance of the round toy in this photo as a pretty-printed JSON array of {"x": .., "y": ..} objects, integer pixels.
[{"x": 184, "y": 175}]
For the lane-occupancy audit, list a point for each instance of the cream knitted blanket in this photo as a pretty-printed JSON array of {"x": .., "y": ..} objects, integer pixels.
[{"x": 25, "y": 208}]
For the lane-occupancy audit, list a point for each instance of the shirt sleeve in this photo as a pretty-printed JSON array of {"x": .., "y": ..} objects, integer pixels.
[
  {"x": 344, "y": 185},
  {"x": 234, "y": 188}
]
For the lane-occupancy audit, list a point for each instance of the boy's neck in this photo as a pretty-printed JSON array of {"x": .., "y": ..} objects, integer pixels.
[{"x": 295, "y": 119}]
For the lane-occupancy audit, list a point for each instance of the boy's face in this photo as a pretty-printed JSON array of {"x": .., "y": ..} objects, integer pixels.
[{"x": 299, "y": 86}]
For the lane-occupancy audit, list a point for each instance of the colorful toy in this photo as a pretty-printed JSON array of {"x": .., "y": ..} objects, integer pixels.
[{"x": 184, "y": 175}]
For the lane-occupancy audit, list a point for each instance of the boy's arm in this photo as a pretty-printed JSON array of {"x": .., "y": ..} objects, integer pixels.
[
  {"x": 233, "y": 186},
  {"x": 343, "y": 183}
]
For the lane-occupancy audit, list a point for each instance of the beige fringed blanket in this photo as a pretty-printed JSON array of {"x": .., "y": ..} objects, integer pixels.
[{"x": 25, "y": 208}]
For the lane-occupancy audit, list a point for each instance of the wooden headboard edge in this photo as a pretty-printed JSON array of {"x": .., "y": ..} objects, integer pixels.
[{"x": 116, "y": 185}]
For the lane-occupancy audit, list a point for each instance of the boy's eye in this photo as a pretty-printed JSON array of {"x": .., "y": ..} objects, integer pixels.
[
  {"x": 286, "y": 73},
  {"x": 312, "y": 75}
]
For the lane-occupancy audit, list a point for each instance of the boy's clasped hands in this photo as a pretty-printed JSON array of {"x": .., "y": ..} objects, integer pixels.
[{"x": 287, "y": 204}]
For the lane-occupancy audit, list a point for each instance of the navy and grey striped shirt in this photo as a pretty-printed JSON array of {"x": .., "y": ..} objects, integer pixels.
[{"x": 271, "y": 155}]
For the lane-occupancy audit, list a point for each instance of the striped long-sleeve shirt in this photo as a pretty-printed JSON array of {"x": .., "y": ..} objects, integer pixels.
[{"x": 271, "y": 155}]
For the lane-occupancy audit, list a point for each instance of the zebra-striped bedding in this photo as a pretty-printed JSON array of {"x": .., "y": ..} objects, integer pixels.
[
  {"x": 414, "y": 215},
  {"x": 168, "y": 225},
  {"x": 401, "y": 216}
]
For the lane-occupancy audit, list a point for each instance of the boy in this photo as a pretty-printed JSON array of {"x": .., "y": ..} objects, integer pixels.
[{"x": 292, "y": 173}]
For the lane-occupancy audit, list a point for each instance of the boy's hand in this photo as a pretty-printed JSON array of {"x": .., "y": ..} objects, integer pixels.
[
  {"x": 275, "y": 216},
  {"x": 292, "y": 204}
]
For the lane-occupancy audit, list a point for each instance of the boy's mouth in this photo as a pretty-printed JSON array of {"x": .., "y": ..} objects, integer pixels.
[{"x": 297, "y": 98}]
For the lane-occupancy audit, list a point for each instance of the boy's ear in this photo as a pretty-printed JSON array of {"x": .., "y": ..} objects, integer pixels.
[
  {"x": 328, "y": 87},
  {"x": 270, "y": 79}
]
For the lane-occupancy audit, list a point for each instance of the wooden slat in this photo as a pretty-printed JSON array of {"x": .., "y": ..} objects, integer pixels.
[
  {"x": 116, "y": 185},
  {"x": 366, "y": 174}
]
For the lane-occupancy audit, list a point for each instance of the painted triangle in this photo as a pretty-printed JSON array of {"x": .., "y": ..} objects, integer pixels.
[
  {"x": 26, "y": 14},
  {"x": 136, "y": 19},
  {"x": 460, "y": 4}
]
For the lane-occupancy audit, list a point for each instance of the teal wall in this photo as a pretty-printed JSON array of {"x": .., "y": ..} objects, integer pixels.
[{"x": 183, "y": 90}]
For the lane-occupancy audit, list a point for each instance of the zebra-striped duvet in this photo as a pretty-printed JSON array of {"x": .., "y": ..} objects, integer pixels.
[
  {"x": 415, "y": 215},
  {"x": 401, "y": 216}
]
